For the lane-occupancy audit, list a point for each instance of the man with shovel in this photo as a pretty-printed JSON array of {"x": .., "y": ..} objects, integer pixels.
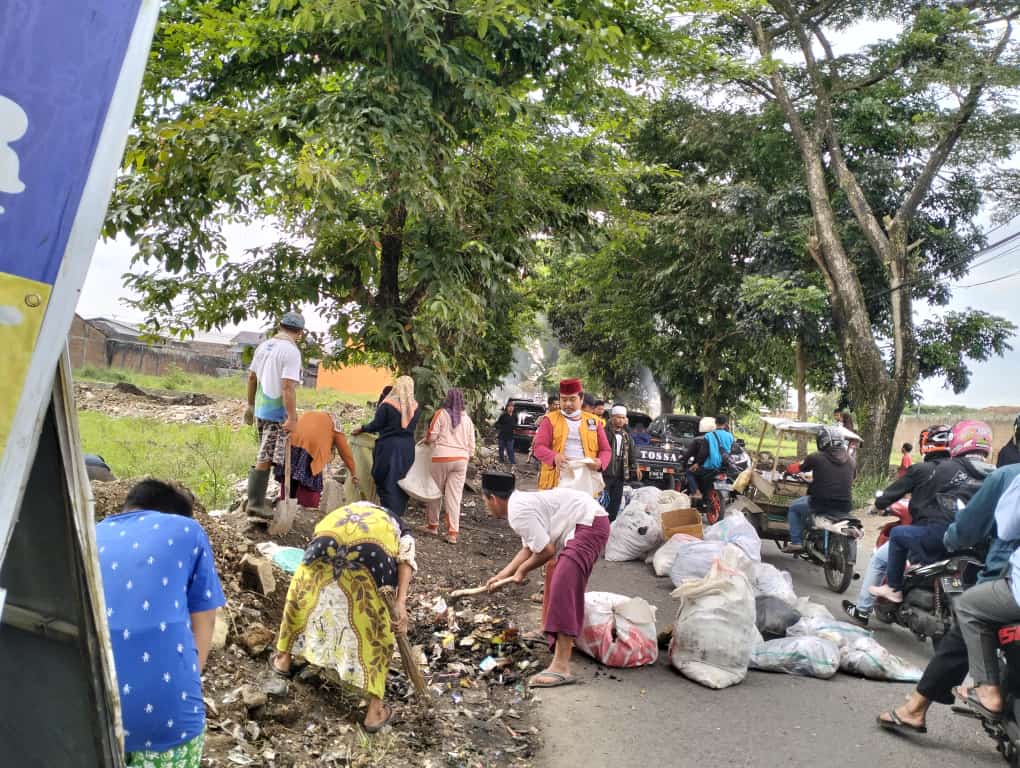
[
  {"x": 562, "y": 523},
  {"x": 273, "y": 377}
]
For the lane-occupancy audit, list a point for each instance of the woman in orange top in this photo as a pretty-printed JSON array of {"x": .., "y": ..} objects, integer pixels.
[
  {"x": 312, "y": 443},
  {"x": 453, "y": 434}
]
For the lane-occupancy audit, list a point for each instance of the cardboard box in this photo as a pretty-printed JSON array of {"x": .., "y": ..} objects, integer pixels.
[{"x": 687, "y": 521}]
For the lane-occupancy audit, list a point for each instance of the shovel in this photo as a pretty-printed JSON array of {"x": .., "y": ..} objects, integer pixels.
[
  {"x": 286, "y": 508},
  {"x": 406, "y": 655}
]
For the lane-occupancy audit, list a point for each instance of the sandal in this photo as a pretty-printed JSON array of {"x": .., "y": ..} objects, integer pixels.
[
  {"x": 973, "y": 703},
  {"x": 898, "y": 724},
  {"x": 289, "y": 674},
  {"x": 379, "y": 726},
  {"x": 558, "y": 680},
  {"x": 426, "y": 531}
]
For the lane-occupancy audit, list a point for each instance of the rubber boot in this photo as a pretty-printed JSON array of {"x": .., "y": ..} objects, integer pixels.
[{"x": 258, "y": 482}]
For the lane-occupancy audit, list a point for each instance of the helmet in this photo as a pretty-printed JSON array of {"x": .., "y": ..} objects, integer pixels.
[
  {"x": 1016, "y": 430},
  {"x": 970, "y": 437},
  {"x": 707, "y": 424},
  {"x": 935, "y": 439},
  {"x": 830, "y": 437}
]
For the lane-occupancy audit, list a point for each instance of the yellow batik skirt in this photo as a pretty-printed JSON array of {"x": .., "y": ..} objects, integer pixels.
[{"x": 334, "y": 616}]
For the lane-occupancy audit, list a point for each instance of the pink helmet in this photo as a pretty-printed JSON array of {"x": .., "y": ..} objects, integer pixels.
[{"x": 970, "y": 437}]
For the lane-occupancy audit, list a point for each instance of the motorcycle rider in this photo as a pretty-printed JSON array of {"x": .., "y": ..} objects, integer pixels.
[
  {"x": 1010, "y": 452},
  {"x": 934, "y": 447},
  {"x": 956, "y": 479},
  {"x": 829, "y": 493},
  {"x": 708, "y": 451},
  {"x": 974, "y": 527}
]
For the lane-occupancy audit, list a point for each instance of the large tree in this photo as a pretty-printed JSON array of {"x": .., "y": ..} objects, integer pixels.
[
  {"x": 408, "y": 154},
  {"x": 938, "y": 94}
]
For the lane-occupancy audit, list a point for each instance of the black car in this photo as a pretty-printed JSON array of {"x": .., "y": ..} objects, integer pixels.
[
  {"x": 526, "y": 415},
  {"x": 664, "y": 462}
]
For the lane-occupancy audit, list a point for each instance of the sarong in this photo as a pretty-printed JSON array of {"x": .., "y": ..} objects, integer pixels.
[
  {"x": 569, "y": 580},
  {"x": 187, "y": 755}
]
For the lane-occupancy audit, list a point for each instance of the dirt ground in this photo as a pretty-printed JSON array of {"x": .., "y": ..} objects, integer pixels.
[{"x": 474, "y": 718}]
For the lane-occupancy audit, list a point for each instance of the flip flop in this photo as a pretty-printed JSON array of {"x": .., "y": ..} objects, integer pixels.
[
  {"x": 534, "y": 638},
  {"x": 973, "y": 703},
  {"x": 897, "y": 724},
  {"x": 560, "y": 680},
  {"x": 379, "y": 726},
  {"x": 289, "y": 674}
]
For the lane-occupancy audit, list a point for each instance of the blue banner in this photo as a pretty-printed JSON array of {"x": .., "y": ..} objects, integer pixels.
[{"x": 59, "y": 63}]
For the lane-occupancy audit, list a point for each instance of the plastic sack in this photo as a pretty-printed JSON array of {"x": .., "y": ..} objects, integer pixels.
[
  {"x": 868, "y": 658},
  {"x": 578, "y": 476},
  {"x": 773, "y": 617},
  {"x": 843, "y": 633},
  {"x": 418, "y": 482},
  {"x": 673, "y": 500},
  {"x": 694, "y": 560},
  {"x": 736, "y": 529},
  {"x": 807, "y": 656},
  {"x": 662, "y": 559},
  {"x": 810, "y": 610},
  {"x": 769, "y": 581},
  {"x": 618, "y": 631},
  {"x": 363, "y": 450},
  {"x": 714, "y": 632},
  {"x": 635, "y": 532}
]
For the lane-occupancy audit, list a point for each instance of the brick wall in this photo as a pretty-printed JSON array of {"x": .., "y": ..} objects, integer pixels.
[{"x": 87, "y": 345}]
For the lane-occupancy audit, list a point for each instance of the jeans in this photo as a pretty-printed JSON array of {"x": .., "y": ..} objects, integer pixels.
[
  {"x": 798, "y": 515},
  {"x": 922, "y": 543},
  {"x": 876, "y": 572},
  {"x": 506, "y": 448},
  {"x": 980, "y": 611}
]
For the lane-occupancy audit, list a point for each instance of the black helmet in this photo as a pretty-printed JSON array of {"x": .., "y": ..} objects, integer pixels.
[
  {"x": 1016, "y": 431},
  {"x": 830, "y": 437}
]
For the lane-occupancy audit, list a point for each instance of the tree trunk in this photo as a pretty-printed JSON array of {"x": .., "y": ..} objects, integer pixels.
[
  {"x": 666, "y": 400},
  {"x": 800, "y": 382}
]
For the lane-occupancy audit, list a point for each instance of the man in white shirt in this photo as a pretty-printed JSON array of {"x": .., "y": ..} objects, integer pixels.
[
  {"x": 562, "y": 523},
  {"x": 273, "y": 377}
]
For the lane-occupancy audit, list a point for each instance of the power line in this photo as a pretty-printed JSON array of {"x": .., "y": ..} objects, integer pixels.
[{"x": 993, "y": 280}]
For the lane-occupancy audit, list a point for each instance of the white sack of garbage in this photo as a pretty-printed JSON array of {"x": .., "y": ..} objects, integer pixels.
[
  {"x": 868, "y": 658},
  {"x": 811, "y": 610},
  {"x": 769, "y": 581},
  {"x": 619, "y": 631},
  {"x": 714, "y": 631},
  {"x": 636, "y": 531},
  {"x": 694, "y": 559},
  {"x": 807, "y": 656},
  {"x": 662, "y": 559},
  {"x": 843, "y": 633},
  {"x": 736, "y": 529}
]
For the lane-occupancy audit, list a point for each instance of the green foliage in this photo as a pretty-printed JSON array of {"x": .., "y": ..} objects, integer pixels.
[
  {"x": 947, "y": 342},
  {"x": 209, "y": 459},
  {"x": 174, "y": 378}
]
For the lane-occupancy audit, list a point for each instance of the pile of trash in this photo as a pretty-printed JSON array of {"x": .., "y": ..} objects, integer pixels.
[{"x": 737, "y": 613}]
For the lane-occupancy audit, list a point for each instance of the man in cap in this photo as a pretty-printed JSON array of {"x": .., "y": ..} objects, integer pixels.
[
  {"x": 622, "y": 461},
  {"x": 272, "y": 404},
  {"x": 558, "y": 523},
  {"x": 568, "y": 435}
]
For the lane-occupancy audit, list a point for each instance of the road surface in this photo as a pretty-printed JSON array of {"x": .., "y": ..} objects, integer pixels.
[{"x": 655, "y": 718}]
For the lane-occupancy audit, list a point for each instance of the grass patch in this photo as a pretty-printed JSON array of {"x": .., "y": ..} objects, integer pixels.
[
  {"x": 208, "y": 458},
  {"x": 234, "y": 387}
]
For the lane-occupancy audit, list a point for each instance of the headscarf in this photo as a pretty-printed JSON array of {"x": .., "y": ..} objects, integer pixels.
[
  {"x": 402, "y": 398},
  {"x": 454, "y": 405}
]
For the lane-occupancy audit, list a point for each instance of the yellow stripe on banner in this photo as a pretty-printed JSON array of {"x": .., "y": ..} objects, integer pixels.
[{"x": 22, "y": 307}]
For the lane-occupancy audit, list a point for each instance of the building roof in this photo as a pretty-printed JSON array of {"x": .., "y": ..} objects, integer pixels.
[{"x": 251, "y": 338}]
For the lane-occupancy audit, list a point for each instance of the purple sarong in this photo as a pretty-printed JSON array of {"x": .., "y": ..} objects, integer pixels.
[{"x": 570, "y": 579}]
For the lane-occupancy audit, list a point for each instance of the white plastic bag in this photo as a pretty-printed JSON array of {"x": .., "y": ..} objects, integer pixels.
[
  {"x": 714, "y": 631},
  {"x": 673, "y": 500},
  {"x": 866, "y": 657},
  {"x": 662, "y": 560},
  {"x": 634, "y": 533},
  {"x": 810, "y": 610},
  {"x": 769, "y": 581},
  {"x": 579, "y": 476},
  {"x": 694, "y": 559},
  {"x": 618, "y": 631},
  {"x": 418, "y": 482},
  {"x": 808, "y": 656},
  {"x": 736, "y": 529},
  {"x": 843, "y": 633}
]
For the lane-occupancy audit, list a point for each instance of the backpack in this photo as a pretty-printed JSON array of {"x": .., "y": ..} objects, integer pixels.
[{"x": 958, "y": 492}]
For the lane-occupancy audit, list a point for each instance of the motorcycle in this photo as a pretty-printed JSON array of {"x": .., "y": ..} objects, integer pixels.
[
  {"x": 928, "y": 594},
  {"x": 901, "y": 511},
  {"x": 832, "y": 544},
  {"x": 1006, "y": 731}
]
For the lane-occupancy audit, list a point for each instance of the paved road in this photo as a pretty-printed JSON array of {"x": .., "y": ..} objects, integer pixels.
[{"x": 655, "y": 718}]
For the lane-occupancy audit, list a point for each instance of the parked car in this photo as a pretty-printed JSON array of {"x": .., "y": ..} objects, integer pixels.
[
  {"x": 664, "y": 462},
  {"x": 527, "y": 413}
]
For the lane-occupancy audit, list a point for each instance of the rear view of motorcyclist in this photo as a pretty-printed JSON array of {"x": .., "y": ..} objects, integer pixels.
[
  {"x": 955, "y": 480},
  {"x": 1010, "y": 452},
  {"x": 829, "y": 494},
  {"x": 917, "y": 481}
]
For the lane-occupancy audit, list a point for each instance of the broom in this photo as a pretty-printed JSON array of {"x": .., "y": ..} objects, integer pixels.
[{"x": 410, "y": 665}]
